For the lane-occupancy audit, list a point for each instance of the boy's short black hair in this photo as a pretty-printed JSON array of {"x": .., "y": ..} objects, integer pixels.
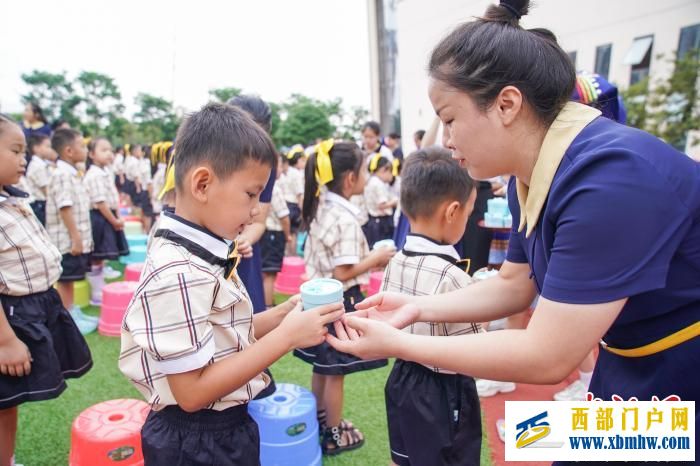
[
  {"x": 429, "y": 177},
  {"x": 35, "y": 140},
  {"x": 63, "y": 138},
  {"x": 222, "y": 136},
  {"x": 394, "y": 136}
]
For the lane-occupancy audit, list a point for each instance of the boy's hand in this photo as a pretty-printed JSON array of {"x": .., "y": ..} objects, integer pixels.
[
  {"x": 15, "y": 359},
  {"x": 308, "y": 328},
  {"x": 118, "y": 224},
  {"x": 76, "y": 248},
  {"x": 382, "y": 256},
  {"x": 245, "y": 249}
]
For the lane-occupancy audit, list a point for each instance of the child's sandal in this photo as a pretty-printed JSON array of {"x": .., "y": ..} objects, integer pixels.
[{"x": 337, "y": 440}]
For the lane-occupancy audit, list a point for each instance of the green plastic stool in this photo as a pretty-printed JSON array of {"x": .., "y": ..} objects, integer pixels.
[{"x": 81, "y": 293}]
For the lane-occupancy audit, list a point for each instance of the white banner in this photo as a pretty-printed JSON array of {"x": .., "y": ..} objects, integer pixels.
[{"x": 600, "y": 431}]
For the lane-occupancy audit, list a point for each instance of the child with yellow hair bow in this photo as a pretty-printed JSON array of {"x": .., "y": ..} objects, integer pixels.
[
  {"x": 336, "y": 248},
  {"x": 379, "y": 199}
]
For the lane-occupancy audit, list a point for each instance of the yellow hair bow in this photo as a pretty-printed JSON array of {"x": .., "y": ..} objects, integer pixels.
[
  {"x": 169, "y": 184},
  {"x": 86, "y": 141},
  {"x": 294, "y": 151},
  {"x": 164, "y": 147},
  {"x": 395, "y": 167},
  {"x": 374, "y": 162},
  {"x": 324, "y": 168},
  {"x": 127, "y": 149}
]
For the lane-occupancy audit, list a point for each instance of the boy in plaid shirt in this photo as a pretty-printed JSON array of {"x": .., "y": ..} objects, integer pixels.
[
  {"x": 433, "y": 414},
  {"x": 190, "y": 342},
  {"x": 68, "y": 212}
]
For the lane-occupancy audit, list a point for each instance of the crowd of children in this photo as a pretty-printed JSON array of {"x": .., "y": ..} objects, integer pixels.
[{"x": 339, "y": 198}]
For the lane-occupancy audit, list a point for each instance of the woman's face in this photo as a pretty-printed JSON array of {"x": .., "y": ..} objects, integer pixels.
[
  {"x": 370, "y": 139},
  {"x": 476, "y": 137},
  {"x": 28, "y": 114}
]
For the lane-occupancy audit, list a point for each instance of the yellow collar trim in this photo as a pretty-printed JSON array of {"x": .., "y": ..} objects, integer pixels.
[
  {"x": 572, "y": 119},
  {"x": 35, "y": 125}
]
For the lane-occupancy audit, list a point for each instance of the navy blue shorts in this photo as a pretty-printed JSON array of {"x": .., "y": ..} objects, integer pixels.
[
  {"x": 433, "y": 419},
  {"x": 173, "y": 437},
  {"x": 294, "y": 216},
  {"x": 378, "y": 229},
  {"x": 39, "y": 208},
  {"x": 58, "y": 349},
  {"x": 74, "y": 267},
  {"x": 272, "y": 245}
]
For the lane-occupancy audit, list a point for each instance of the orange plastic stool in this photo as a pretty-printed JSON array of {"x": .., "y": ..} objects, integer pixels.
[{"x": 109, "y": 434}]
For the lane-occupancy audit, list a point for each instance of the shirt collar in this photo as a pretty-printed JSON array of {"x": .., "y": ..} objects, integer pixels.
[
  {"x": 572, "y": 119},
  {"x": 342, "y": 202},
  {"x": 195, "y": 233},
  {"x": 425, "y": 245},
  {"x": 36, "y": 158},
  {"x": 65, "y": 166},
  {"x": 96, "y": 168},
  {"x": 6, "y": 192}
]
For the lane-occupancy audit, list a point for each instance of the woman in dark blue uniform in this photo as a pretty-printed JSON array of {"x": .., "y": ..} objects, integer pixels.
[{"x": 606, "y": 228}]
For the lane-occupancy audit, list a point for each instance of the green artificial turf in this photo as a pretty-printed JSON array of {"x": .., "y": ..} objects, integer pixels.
[{"x": 44, "y": 427}]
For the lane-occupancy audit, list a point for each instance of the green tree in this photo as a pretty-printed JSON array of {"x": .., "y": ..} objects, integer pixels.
[
  {"x": 101, "y": 101},
  {"x": 352, "y": 122},
  {"x": 668, "y": 108},
  {"x": 155, "y": 119},
  {"x": 224, "y": 94},
  {"x": 306, "y": 120},
  {"x": 54, "y": 94}
]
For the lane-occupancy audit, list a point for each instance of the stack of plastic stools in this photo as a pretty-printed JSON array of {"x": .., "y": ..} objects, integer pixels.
[
  {"x": 81, "y": 293},
  {"x": 132, "y": 226},
  {"x": 109, "y": 433},
  {"x": 137, "y": 240},
  {"x": 375, "y": 283},
  {"x": 132, "y": 272},
  {"x": 292, "y": 275},
  {"x": 115, "y": 299},
  {"x": 288, "y": 427}
]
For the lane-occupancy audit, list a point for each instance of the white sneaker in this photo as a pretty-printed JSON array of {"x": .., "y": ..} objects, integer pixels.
[
  {"x": 574, "y": 392},
  {"x": 110, "y": 273},
  {"x": 486, "y": 388}
]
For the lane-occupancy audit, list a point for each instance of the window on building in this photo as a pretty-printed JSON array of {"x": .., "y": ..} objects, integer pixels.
[
  {"x": 602, "y": 59},
  {"x": 572, "y": 56},
  {"x": 689, "y": 40},
  {"x": 639, "y": 56}
]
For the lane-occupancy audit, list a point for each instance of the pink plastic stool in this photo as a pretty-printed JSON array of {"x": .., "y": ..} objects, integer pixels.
[
  {"x": 109, "y": 433},
  {"x": 132, "y": 272},
  {"x": 292, "y": 275},
  {"x": 115, "y": 299},
  {"x": 375, "y": 283}
]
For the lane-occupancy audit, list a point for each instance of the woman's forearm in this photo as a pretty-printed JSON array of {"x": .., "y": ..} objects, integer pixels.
[{"x": 509, "y": 292}]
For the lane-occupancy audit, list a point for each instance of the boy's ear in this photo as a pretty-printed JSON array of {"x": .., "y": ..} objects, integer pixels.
[
  {"x": 200, "y": 181},
  {"x": 451, "y": 211},
  {"x": 350, "y": 180}
]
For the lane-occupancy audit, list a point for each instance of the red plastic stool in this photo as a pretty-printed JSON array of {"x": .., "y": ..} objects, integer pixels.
[
  {"x": 109, "y": 433},
  {"x": 132, "y": 272},
  {"x": 375, "y": 283},
  {"x": 292, "y": 275},
  {"x": 115, "y": 299}
]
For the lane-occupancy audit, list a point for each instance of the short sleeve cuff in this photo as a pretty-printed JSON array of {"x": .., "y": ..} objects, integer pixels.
[
  {"x": 66, "y": 203},
  {"x": 283, "y": 213},
  {"x": 345, "y": 260},
  {"x": 187, "y": 363}
]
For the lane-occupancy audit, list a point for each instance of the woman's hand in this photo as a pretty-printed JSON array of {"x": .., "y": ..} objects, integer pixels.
[
  {"x": 396, "y": 309},
  {"x": 365, "y": 338}
]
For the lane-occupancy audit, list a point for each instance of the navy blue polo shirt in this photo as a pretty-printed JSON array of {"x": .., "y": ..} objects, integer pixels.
[
  {"x": 622, "y": 220},
  {"x": 250, "y": 270}
]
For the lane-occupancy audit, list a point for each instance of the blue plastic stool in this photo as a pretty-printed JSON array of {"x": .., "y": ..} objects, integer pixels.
[
  {"x": 136, "y": 254},
  {"x": 137, "y": 240},
  {"x": 288, "y": 427}
]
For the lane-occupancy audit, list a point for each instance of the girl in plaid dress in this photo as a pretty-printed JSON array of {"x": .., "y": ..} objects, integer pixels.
[{"x": 336, "y": 247}]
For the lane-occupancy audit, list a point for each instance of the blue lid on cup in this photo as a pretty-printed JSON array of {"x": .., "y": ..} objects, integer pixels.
[{"x": 320, "y": 291}]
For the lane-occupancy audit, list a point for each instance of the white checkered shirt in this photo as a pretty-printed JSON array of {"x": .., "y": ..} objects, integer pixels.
[
  {"x": 100, "y": 186},
  {"x": 67, "y": 190},
  {"x": 335, "y": 238},
  {"x": 293, "y": 185},
  {"x": 37, "y": 175},
  {"x": 29, "y": 263},
  {"x": 375, "y": 193},
  {"x": 428, "y": 274},
  {"x": 278, "y": 210},
  {"x": 185, "y": 315}
]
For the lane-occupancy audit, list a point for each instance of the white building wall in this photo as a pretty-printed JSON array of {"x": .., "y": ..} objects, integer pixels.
[{"x": 579, "y": 26}]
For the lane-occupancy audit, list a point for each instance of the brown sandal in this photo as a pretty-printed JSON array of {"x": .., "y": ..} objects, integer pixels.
[{"x": 337, "y": 440}]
